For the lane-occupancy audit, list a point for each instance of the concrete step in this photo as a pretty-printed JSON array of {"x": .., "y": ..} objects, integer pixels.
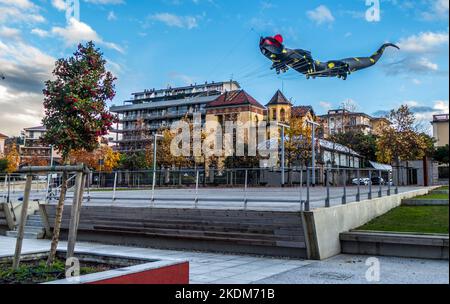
[
  {"x": 27, "y": 235},
  {"x": 34, "y": 217}
]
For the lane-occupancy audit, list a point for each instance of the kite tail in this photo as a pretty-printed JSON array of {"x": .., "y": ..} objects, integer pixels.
[{"x": 375, "y": 57}]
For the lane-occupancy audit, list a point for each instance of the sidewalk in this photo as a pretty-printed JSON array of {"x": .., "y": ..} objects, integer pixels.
[{"x": 212, "y": 268}]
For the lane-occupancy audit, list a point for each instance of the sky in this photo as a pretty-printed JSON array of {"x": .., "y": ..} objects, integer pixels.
[{"x": 156, "y": 43}]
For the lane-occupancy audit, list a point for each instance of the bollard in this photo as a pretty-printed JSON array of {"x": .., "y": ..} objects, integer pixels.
[
  {"x": 327, "y": 200},
  {"x": 245, "y": 190},
  {"x": 301, "y": 189},
  {"x": 344, "y": 197},
  {"x": 380, "y": 188},
  {"x": 370, "y": 185},
  {"x": 308, "y": 181},
  {"x": 196, "y": 188},
  {"x": 114, "y": 187},
  {"x": 153, "y": 187},
  {"x": 389, "y": 183},
  {"x": 358, "y": 193}
]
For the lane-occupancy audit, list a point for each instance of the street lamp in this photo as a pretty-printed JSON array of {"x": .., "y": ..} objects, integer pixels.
[
  {"x": 283, "y": 150},
  {"x": 155, "y": 141},
  {"x": 313, "y": 142}
]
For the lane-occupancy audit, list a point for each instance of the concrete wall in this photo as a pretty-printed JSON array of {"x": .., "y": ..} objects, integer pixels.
[{"x": 326, "y": 224}]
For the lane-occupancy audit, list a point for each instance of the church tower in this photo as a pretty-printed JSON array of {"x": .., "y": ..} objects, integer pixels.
[{"x": 279, "y": 108}]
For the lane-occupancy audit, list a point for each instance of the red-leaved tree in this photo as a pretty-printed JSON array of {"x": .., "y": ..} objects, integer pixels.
[{"x": 76, "y": 113}]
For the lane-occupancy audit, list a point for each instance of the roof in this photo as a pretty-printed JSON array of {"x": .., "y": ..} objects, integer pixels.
[
  {"x": 234, "y": 98},
  {"x": 206, "y": 84},
  {"x": 3, "y": 135},
  {"x": 381, "y": 167},
  {"x": 38, "y": 128},
  {"x": 279, "y": 99},
  {"x": 301, "y": 111},
  {"x": 336, "y": 147},
  {"x": 441, "y": 118}
]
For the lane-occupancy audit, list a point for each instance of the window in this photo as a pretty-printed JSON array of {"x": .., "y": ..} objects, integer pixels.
[
  {"x": 283, "y": 115},
  {"x": 274, "y": 114}
]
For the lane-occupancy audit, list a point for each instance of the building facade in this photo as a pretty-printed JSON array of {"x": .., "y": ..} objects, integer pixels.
[
  {"x": 341, "y": 121},
  {"x": 34, "y": 151},
  {"x": 3, "y": 138},
  {"x": 152, "y": 110},
  {"x": 440, "y": 129}
]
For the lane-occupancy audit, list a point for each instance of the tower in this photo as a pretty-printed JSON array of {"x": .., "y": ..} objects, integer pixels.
[{"x": 279, "y": 108}]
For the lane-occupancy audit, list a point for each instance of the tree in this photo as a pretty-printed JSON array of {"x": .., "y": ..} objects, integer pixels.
[
  {"x": 365, "y": 145},
  {"x": 12, "y": 158},
  {"x": 36, "y": 161},
  {"x": 298, "y": 144},
  {"x": 401, "y": 141},
  {"x": 103, "y": 159},
  {"x": 76, "y": 113},
  {"x": 134, "y": 161},
  {"x": 3, "y": 165},
  {"x": 441, "y": 155}
]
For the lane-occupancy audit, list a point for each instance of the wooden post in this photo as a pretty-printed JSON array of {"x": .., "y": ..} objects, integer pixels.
[
  {"x": 23, "y": 219},
  {"x": 73, "y": 215}
]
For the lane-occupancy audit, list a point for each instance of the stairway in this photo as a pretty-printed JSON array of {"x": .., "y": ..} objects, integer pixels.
[{"x": 33, "y": 228}]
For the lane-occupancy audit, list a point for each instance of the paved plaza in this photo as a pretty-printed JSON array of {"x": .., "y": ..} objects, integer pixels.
[
  {"x": 276, "y": 199},
  {"x": 215, "y": 268}
]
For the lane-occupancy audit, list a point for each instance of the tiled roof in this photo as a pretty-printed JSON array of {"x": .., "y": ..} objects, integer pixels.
[
  {"x": 234, "y": 98},
  {"x": 301, "y": 111},
  {"x": 279, "y": 99},
  {"x": 3, "y": 135}
]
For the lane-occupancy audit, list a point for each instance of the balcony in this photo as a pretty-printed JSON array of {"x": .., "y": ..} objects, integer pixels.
[{"x": 166, "y": 115}]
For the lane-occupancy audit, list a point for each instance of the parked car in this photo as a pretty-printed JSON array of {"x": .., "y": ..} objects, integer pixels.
[
  {"x": 361, "y": 181},
  {"x": 376, "y": 180}
]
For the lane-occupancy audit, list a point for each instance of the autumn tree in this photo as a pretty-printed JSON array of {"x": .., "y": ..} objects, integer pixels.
[
  {"x": 298, "y": 143},
  {"x": 76, "y": 113},
  {"x": 441, "y": 155},
  {"x": 400, "y": 141},
  {"x": 102, "y": 159},
  {"x": 12, "y": 158}
]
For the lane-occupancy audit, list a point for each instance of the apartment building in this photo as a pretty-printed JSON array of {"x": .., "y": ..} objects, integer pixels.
[
  {"x": 3, "y": 138},
  {"x": 440, "y": 129},
  {"x": 151, "y": 110},
  {"x": 341, "y": 121},
  {"x": 34, "y": 151}
]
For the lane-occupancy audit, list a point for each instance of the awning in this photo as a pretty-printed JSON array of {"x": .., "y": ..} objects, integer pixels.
[{"x": 381, "y": 167}]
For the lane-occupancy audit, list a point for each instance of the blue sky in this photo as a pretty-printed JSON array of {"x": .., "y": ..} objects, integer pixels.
[{"x": 159, "y": 42}]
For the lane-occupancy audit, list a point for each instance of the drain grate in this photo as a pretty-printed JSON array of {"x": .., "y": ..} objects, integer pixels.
[{"x": 332, "y": 276}]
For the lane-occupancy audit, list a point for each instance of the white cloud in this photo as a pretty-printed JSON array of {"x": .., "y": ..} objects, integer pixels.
[
  {"x": 60, "y": 5},
  {"x": 40, "y": 32},
  {"x": 19, "y": 11},
  {"x": 326, "y": 105},
  {"x": 439, "y": 10},
  {"x": 77, "y": 31},
  {"x": 172, "y": 20},
  {"x": 424, "y": 42},
  {"x": 321, "y": 15},
  {"x": 9, "y": 33},
  {"x": 105, "y": 2}
]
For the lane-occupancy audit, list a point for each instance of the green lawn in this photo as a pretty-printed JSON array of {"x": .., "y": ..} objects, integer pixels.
[
  {"x": 433, "y": 196},
  {"x": 443, "y": 188},
  {"x": 420, "y": 219}
]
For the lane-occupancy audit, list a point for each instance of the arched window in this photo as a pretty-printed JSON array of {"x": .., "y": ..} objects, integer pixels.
[
  {"x": 274, "y": 114},
  {"x": 283, "y": 115}
]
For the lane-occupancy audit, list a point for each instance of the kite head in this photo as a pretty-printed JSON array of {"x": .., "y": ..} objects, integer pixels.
[{"x": 271, "y": 46}]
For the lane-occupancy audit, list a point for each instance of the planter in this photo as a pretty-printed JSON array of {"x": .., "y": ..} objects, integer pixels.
[{"x": 122, "y": 269}]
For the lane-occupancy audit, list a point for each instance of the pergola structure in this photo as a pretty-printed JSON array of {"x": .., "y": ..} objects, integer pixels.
[{"x": 81, "y": 172}]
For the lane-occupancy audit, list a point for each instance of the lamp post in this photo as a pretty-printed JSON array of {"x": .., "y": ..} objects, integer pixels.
[
  {"x": 313, "y": 142},
  {"x": 283, "y": 151},
  {"x": 155, "y": 142}
]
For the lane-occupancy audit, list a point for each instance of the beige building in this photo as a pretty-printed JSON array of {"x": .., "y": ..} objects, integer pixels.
[
  {"x": 33, "y": 151},
  {"x": 440, "y": 129},
  {"x": 3, "y": 138},
  {"x": 341, "y": 121}
]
